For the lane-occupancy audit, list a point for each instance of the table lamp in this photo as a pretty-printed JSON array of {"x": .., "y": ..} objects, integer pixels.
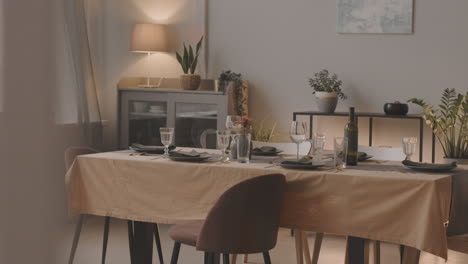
[{"x": 149, "y": 38}]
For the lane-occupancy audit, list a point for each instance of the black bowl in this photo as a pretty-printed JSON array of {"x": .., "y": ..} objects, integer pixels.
[{"x": 396, "y": 109}]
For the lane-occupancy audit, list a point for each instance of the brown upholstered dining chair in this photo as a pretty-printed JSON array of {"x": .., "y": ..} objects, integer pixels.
[
  {"x": 70, "y": 155},
  {"x": 245, "y": 220}
]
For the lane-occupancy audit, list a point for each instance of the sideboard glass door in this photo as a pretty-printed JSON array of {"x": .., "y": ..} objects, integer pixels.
[
  {"x": 145, "y": 119},
  {"x": 196, "y": 125}
]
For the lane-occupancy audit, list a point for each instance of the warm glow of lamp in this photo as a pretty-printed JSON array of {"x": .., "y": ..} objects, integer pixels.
[{"x": 149, "y": 38}]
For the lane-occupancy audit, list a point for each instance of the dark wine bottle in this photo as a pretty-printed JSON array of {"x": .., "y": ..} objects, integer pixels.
[{"x": 351, "y": 137}]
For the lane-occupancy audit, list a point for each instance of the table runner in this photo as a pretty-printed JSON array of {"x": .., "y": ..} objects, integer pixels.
[{"x": 381, "y": 202}]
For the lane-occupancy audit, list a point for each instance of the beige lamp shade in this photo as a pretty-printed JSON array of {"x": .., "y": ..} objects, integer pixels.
[{"x": 149, "y": 38}]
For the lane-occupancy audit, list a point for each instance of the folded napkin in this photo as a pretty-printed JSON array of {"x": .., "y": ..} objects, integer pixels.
[
  {"x": 180, "y": 154},
  {"x": 265, "y": 149},
  {"x": 303, "y": 161}
]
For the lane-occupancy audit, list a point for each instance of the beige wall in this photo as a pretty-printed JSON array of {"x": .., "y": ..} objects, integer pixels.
[{"x": 279, "y": 44}]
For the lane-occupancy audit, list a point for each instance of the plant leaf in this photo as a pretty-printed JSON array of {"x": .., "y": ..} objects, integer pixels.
[{"x": 199, "y": 44}]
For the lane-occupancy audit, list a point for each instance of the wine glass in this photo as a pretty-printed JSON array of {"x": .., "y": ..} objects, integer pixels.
[
  {"x": 167, "y": 134},
  {"x": 223, "y": 142},
  {"x": 319, "y": 144},
  {"x": 297, "y": 133},
  {"x": 409, "y": 146},
  {"x": 233, "y": 123}
]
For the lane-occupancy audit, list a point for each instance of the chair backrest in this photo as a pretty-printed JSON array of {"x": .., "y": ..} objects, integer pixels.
[
  {"x": 245, "y": 219},
  {"x": 72, "y": 152},
  {"x": 381, "y": 153}
]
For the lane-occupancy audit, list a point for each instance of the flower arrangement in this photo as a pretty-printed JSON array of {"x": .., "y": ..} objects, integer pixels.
[
  {"x": 449, "y": 122},
  {"x": 323, "y": 81}
]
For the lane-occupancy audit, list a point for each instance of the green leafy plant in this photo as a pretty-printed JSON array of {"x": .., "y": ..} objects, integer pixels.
[
  {"x": 449, "y": 122},
  {"x": 263, "y": 133},
  {"x": 323, "y": 81},
  {"x": 189, "y": 59}
]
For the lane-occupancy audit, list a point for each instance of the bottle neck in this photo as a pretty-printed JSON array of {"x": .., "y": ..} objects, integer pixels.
[{"x": 352, "y": 116}]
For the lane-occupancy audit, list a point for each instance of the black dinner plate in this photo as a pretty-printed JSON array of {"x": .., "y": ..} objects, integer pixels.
[
  {"x": 313, "y": 166},
  {"x": 262, "y": 153},
  {"x": 429, "y": 167},
  {"x": 150, "y": 149},
  {"x": 188, "y": 159}
]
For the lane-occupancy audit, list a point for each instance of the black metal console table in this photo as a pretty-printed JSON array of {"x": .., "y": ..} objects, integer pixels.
[{"x": 371, "y": 117}]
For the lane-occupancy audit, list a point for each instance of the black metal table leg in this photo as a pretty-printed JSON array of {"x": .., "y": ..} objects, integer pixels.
[
  {"x": 311, "y": 126},
  {"x": 433, "y": 147},
  {"x": 294, "y": 117},
  {"x": 421, "y": 139},
  {"x": 371, "y": 125},
  {"x": 355, "y": 250},
  {"x": 143, "y": 243}
]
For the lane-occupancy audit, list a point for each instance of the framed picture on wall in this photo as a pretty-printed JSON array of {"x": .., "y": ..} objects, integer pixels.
[{"x": 375, "y": 16}]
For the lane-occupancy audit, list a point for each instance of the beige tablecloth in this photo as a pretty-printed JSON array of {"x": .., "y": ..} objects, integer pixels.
[{"x": 383, "y": 202}]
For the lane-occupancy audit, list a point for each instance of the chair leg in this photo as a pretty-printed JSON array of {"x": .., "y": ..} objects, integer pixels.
[
  {"x": 366, "y": 251},
  {"x": 158, "y": 243},
  {"x": 266, "y": 257},
  {"x": 377, "y": 252},
  {"x": 130, "y": 239},
  {"x": 246, "y": 258},
  {"x": 305, "y": 248},
  {"x": 76, "y": 238},
  {"x": 225, "y": 258},
  {"x": 317, "y": 247},
  {"x": 175, "y": 253},
  {"x": 234, "y": 258},
  {"x": 298, "y": 237},
  {"x": 105, "y": 239}
]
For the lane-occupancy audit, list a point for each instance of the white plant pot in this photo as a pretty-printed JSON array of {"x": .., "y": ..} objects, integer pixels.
[
  {"x": 458, "y": 161},
  {"x": 326, "y": 102}
]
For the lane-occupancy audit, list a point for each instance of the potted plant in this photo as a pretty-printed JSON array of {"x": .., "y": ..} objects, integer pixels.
[
  {"x": 327, "y": 90},
  {"x": 189, "y": 60},
  {"x": 449, "y": 122}
]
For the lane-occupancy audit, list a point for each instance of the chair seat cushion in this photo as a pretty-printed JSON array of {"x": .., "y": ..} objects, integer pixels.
[{"x": 186, "y": 233}]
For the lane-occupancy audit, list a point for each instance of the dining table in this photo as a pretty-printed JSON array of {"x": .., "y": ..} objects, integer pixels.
[{"x": 376, "y": 200}]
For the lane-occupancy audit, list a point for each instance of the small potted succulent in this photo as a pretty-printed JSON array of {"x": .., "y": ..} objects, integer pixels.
[
  {"x": 327, "y": 90},
  {"x": 449, "y": 122},
  {"x": 188, "y": 60}
]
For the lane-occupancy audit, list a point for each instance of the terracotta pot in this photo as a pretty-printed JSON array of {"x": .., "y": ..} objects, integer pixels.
[
  {"x": 326, "y": 102},
  {"x": 190, "y": 81}
]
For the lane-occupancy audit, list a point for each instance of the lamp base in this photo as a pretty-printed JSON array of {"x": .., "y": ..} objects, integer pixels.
[{"x": 148, "y": 86}]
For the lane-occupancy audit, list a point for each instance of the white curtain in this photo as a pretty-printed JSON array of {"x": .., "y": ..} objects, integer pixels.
[{"x": 79, "y": 96}]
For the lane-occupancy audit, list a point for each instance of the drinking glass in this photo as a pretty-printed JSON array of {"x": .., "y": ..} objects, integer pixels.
[
  {"x": 409, "y": 146},
  {"x": 340, "y": 149},
  {"x": 297, "y": 134},
  {"x": 243, "y": 147},
  {"x": 223, "y": 142},
  {"x": 167, "y": 134},
  {"x": 319, "y": 144}
]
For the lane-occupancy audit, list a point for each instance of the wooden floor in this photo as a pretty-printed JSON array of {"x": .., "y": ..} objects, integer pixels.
[{"x": 89, "y": 248}]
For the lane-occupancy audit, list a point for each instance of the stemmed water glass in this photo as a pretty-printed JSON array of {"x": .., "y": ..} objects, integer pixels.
[
  {"x": 167, "y": 134},
  {"x": 297, "y": 133},
  {"x": 409, "y": 146},
  {"x": 223, "y": 142}
]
